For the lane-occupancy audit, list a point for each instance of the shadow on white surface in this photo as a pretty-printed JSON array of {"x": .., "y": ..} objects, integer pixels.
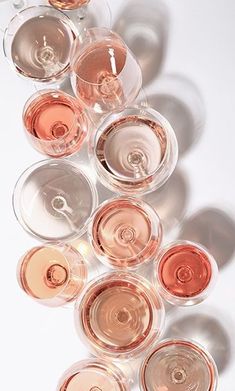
[
  {"x": 144, "y": 27},
  {"x": 213, "y": 228},
  {"x": 207, "y": 326},
  {"x": 178, "y": 99}
]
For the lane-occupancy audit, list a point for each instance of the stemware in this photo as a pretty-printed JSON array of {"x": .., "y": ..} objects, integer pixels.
[
  {"x": 134, "y": 151},
  {"x": 54, "y": 122},
  {"x": 125, "y": 233},
  {"x": 52, "y": 274},
  {"x": 93, "y": 375},
  {"x": 54, "y": 200},
  {"x": 185, "y": 273},
  {"x": 105, "y": 74},
  {"x": 37, "y": 43},
  {"x": 119, "y": 315},
  {"x": 178, "y": 365}
]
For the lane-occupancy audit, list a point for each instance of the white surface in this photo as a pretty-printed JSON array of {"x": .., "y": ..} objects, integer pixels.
[{"x": 37, "y": 343}]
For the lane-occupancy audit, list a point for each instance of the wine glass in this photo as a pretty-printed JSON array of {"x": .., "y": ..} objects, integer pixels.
[
  {"x": 54, "y": 199},
  {"x": 85, "y": 13},
  {"x": 119, "y": 315},
  {"x": 134, "y": 151},
  {"x": 37, "y": 43},
  {"x": 185, "y": 273},
  {"x": 93, "y": 375},
  {"x": 178, "y": 365},
  {"x": 105, "y": 74},
  {"x": 53, "y": 275},
  {"x": 125, "y": 233},
  {"x": 54, "y": 122}
]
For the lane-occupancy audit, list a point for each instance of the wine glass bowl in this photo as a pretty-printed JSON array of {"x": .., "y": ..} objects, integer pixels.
[
  {"x": 53, "y": 274},
  {"x": 125, "y": 233},
  {"x": 37, "y": 43},
  {"x": 185, "y": 273},
  {"x": 105, "y": 74},
  {"x": 134, "y": 151},
  {"x": 54, "y": 199},
  {"x": 55, "y": 124}
]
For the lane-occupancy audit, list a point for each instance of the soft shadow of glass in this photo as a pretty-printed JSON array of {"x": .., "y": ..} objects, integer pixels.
[
  {"x": 170, "y": 201},
  {"x": 206, "y": 326},
  {"x": 214, "y": 229},
  {"x": 144, "y": 27},
  {"x": 179, "y": 100}
]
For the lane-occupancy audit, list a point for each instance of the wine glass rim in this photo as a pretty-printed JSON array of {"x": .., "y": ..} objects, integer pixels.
[
  {"x": 142, "y": 112},
  {"x": 111, "y": 32},
  {"x": 178, "y": 243},
  {"x": 145, "y": 208},
  {"x": 78, "y": 112},
  {"x": 20, "y": 182},
  {"x": 74, "y": 30},
  {"x": 207, "y": 357}
]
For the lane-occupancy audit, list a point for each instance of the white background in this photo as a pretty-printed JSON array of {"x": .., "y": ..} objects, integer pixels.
[{"x": 38, "y": 343}]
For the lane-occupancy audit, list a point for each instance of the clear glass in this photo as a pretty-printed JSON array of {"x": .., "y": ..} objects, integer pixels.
[
  {"x": 37, "y": 43},
  {"x": 178, "y": 365},
  {"x": 134, "y": 151},
  {"x": 93, "y": 375},
  {"x": 54, "y": 200},
  {"x": 86, "y": 13},
  {"x": 55, "y": 124},
  {"x": 185, "y": 273},
  {"x": 105, "y": 74},
  {"x": 119, "y": 315},
  {"x": 53, "y": 274},
  {"x": 125, "y": 233}
]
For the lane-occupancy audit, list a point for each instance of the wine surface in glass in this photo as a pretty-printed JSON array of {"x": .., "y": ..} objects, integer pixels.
[
  {"x": 185, "y": 270},
  {"x": 44, "y": 273},
  {"x": 97, "y": 70},
  {"x": 117, "y": 316},
  {"x": 41, "y": 47},
  {"x": 54, "y": 116},
  {"x": 177, "y": 366},
  {"x": 68, "y": 4},
  {"x": 122, "y": 232},
  {"x": 132, "y": 148}
]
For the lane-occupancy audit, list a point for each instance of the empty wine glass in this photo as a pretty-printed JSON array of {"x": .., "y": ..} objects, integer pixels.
[
  {"x": 85, "y": 13},
  {"x": 37, "y": 43},
  {"x": 105, "y": 74},
  {"x": 178, "y": 365},
  {"x": 54, "y": 199},
  {"x": 125, "y": 233},
  {"x": 134, "y": 151},
  {"x": 119, "y": 315},
  {"x": 53, "y": 274},
  {"x": 55, "y": 123},
  {"x": 93, "y": 375},
  {"x": 185, "y": 273}
]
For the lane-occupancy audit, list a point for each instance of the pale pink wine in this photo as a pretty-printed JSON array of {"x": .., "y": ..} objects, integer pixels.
[{"x": 41, "y": 47}]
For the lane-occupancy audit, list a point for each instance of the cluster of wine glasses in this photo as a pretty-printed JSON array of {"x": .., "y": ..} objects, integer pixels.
[{"x": 132, "y": 150}]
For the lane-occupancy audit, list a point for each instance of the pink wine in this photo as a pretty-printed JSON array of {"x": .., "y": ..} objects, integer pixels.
[
  {"x": 68, "y": 4},
  {"x": 56, "y": 122},
  {"x": 178, "y": 366},
  {"x": 41, "y": 47},
  {"x": 119, "y": 315},
  {"x": 93, "y": 375},
  {"x": 53, "y": 274},
  {"x": 126, "y": 233},
  {"x": 97, "y": 70},
  {"x": 185, "y": 270},
  {"x": 130, "y": 151}
]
